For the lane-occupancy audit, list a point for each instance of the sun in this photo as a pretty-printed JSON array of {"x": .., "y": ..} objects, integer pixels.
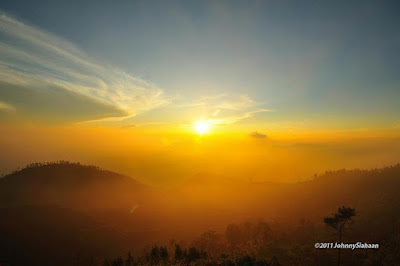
[{"x": 202, "y": 127}]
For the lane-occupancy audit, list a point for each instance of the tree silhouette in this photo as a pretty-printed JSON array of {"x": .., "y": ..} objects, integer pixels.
[
  {"x": 193, "y": 255},
  {"x": 209, "y": 241},
  {"x": 129, "y": 260},
  {"x": 163, "y": 253},
  {"x": 178, "y": 253},
  {"x": 233, "y": 234},
  {"x": 117, "y": 262},
  {"x": 339, "y": 220},
  {"x": 155, "y": 254}
]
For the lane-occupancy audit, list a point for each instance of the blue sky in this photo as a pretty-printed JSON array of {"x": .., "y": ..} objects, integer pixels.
[{"x": 328, "y": 64}]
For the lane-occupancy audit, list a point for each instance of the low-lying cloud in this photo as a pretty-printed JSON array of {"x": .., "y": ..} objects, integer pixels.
[{"x": 258, "y": 135}]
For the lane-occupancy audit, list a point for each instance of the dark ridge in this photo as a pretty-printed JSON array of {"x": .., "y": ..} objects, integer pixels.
[
  {"x": 58, "y": 165},
  {"x": 69, "y": 184},
  {"x": 74, "y": 171},
  {"x": 387, "y": 170}
]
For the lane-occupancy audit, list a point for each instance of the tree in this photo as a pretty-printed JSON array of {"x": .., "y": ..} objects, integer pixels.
[
  {"x": 193, "y": 255},
  {"x": 117, "y": 262},
  {"x": 233, "y": 234},
  {"x": 339, "y": 220},
  {"x": 178, "y": 253},
  {"x": 209, "y": 241},
  {"x": 155, "y": 254},
  {"x": 163, "y": 253},
  {"x": 260, "y": 233},
  {"x": 129, "y": 260}
]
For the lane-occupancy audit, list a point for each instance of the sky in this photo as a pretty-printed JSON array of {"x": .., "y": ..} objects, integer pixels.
[{"x": 261, "y": 69}]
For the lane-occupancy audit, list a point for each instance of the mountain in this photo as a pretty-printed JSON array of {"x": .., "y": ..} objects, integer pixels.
[{"x": 70, "y": 185}]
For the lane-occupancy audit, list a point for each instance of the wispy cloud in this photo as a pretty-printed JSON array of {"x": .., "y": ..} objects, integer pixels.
[
  {"x": 202, "y": 101},
  {"x": 32, "y": 58},
  {"x": 225, "y": 108},
  {"x": 44, "y": 75},
  {"x": 240, "y": 102},
  {"x": 7, "y": 108},
  {"x": 238, "y": 117}
]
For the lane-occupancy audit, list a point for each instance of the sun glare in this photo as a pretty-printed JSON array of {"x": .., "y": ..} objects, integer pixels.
[{"x": 202, "y": 127}]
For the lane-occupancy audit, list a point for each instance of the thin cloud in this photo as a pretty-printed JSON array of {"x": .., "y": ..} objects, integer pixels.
[
  {"x": 33, "y": 58},
  {"x": 224, "y": 108},
  {"x": 237, "y": 117},
  {"x": 147, "y": 124},
  {"x": 42, "y": 67},
  {"x": 202, "y": 101},
  {"x": 241, "y": 102},
  {"x": 258, "y": 135},
  {"x": 8, "y": 108}
]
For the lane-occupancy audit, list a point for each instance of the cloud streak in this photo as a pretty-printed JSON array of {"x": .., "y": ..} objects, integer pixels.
[
  {"x": 48, "y": 78},
  {"x": 225, "y": 109},
  {"x": 7, "y": 108},
  {"x": 34, "y": 59}
]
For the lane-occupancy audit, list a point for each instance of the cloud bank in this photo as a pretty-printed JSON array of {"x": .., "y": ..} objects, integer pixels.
[{"x": 42, "y": 74}]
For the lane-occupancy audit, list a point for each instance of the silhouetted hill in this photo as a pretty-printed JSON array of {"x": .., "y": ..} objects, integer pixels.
[
  {"x": 312, "y": 199},
  {"x": 366, "y": 190},
  {"x": 70, "y": 185},
  {"x": 50, "y": 212}
]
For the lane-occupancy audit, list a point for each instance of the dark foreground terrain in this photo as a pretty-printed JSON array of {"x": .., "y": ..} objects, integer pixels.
[{"x": 70, "y": 214}]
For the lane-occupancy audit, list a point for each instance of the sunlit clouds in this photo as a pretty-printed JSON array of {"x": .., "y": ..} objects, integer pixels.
[
  {"x": 223, "y": 109},
  {"x": 35, "y": 62},
  {"x": 49, "y": 78},
  {"x": 7, "y": 108}
]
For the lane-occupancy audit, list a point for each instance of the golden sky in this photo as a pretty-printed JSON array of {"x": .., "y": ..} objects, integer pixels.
[{"x": 260, "y": 91}]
